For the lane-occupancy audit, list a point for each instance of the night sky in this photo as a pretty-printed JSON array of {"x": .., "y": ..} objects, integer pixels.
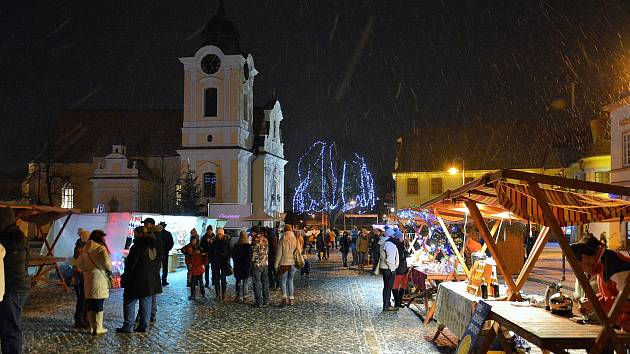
[{"x": 357, "y": 72}]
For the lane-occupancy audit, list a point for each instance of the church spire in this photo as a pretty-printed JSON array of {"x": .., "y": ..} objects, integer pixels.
[{"x": 221, "y": 32}]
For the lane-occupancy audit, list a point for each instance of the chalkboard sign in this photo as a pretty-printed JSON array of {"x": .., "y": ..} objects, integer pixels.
[{"x": 467, "y": 342}]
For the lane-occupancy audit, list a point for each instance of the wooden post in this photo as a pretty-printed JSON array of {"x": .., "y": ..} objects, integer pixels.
[
  {"x": 495, "y": 229},
  {"x": 539, "y": 245},
  {"x": 454, "y": 246},
  {"x": 552, "y": 222},
  {"x": 59, "y": 234},
  {"x": 492, "y": 247}
]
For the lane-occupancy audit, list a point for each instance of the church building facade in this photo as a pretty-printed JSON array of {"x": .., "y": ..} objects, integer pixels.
[{"x": 135, "y": 160}]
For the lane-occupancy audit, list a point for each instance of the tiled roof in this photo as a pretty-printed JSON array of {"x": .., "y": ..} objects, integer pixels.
[
  {"x": 80, "y": 135},
  {"x": 484, "y": 146}
]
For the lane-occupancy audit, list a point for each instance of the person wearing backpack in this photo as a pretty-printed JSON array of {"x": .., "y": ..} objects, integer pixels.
[{"x": 388, "y": 264}]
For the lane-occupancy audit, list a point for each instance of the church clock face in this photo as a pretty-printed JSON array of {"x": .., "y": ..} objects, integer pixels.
[{"x": 210, "y": 64}]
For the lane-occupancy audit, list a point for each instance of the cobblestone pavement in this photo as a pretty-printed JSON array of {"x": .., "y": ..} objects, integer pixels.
[{"x": 337, "y": 311}]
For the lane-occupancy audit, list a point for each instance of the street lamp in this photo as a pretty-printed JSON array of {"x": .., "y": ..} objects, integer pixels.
[{"x": 454, "y": 170}]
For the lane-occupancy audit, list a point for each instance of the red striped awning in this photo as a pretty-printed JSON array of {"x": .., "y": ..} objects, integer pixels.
[{"x": 569, "y": 208}]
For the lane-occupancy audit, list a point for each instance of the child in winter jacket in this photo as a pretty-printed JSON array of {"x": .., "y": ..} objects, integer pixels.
[{"x": 196, "y": 262}]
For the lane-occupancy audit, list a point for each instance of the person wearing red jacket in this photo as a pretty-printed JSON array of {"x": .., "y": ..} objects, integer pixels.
[{"x": 196, "y": 260}]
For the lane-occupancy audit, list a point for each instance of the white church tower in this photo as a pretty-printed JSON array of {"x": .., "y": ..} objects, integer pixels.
[{"x": 217, "y": 132}]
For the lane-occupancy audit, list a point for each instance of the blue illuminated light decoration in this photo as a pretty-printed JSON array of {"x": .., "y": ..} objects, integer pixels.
[{"x": 329, "y": 183}]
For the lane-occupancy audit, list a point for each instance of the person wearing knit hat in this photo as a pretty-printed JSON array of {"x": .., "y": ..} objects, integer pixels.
[{"x": 242, "y": 257}]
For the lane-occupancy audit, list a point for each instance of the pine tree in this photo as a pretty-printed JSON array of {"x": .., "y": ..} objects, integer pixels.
[{"x": 190, "y": 194}]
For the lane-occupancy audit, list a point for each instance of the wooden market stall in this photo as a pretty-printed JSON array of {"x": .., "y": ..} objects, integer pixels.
[
  {"x": 40, "y": 215},
  {"x": 552, "y": 202}
]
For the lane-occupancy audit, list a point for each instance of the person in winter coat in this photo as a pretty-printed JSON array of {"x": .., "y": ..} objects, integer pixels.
[
  {"x": 220, "y": 260},
  {"x": 353, "y": 245},
  {"x": 362, "y": 249},
  {"x": 167, "y": 245},
  {"x": 206, "y": 241},
  {"x": 272, "y": 240},
  {"x": 285, "y": 264},
  {"x": 80, "y": 314},
  {"x": 320, "y": 245},
  {"x": 260, "y": 266},
  {"x": 196, "y": 260},
  {"x": 389, "y": 261},
  {"x": 96, "y": 266},
  {"x": 374, "y": 248},
  {"x": 16, "y": 282},
  {"x": 344, "y": 248},
  {"x": 329, "y": 238},
  {"x": 242, "y": 258},
  {"x": 141, "y": 280},
  {"x": 401, "y": 278},
  {"x": 300, "y": 239}
]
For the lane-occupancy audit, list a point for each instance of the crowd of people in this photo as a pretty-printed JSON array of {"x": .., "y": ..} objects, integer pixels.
[{"x": 261, "y": 256}]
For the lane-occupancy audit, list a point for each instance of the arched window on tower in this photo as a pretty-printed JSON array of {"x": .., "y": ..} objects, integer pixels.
[
  {"x": 209, "y": 185},
  {"x": 67, "y": 195},
  {"x": 210, "y": 102}
]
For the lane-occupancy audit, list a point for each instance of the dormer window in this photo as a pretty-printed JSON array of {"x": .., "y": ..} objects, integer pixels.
[{"x": 210, "y": 102}]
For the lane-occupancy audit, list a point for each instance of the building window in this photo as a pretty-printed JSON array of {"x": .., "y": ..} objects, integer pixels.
[
  {"x": 626, "y": 149},
  {"x": 412, "y": 185},
  {"x": 602, "y": 177},
  {"x": 178, "y": 194},
  {"x": 436, "y": 185},
  {"x": 67, "y": 196},
  {"x": 209, "y": 185},
  {"x": 210, "y": 102}
]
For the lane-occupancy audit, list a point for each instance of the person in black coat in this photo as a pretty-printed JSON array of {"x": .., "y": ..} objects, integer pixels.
[
  {"x": 167, "y": 245},
  {"x": 242, "y": 257},
  {"x": 344, "y": 247},
  {"x": 16, "y": 282},
  {"x": 401, "y": 271},
  {"x": 220, "y": 260},
  {"x": 206, "y": 241},
  {"x": 141, "y": 279}
]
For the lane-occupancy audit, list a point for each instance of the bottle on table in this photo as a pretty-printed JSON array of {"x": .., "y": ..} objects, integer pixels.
[
  {"x": 484, "y": 288},
  {"x": 495, "y": 287}
]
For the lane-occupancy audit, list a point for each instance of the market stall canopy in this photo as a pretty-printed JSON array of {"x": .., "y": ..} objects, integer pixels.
[
  {"x": 499, "y": 197},
  {"x": 258, "y": 216},
  {"x": 38, "y": 214}
]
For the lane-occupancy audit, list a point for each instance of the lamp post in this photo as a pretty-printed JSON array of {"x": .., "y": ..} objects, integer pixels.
[
  {"x": 454, "y": 170},
  {"x": 352, "y": 203}
]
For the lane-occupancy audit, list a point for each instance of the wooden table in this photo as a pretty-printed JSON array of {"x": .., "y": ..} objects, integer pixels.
[
  {"x": 46, "y": 264},
  {"x": 419, "y": 278},
  {"x": 543, "y": 329}
]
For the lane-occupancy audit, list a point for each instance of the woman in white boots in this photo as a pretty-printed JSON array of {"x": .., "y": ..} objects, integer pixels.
[{"x": 95, "y": 264}]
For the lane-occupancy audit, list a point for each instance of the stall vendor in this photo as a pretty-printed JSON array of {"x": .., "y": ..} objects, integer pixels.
[{"x": 611, "y": 269}]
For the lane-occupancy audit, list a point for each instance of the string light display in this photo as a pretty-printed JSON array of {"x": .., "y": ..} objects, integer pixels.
[{"x": 329, "y": 183}]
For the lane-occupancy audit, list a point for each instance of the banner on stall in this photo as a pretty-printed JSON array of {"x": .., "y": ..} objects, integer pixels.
[{"x": 479, "y": 317}]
